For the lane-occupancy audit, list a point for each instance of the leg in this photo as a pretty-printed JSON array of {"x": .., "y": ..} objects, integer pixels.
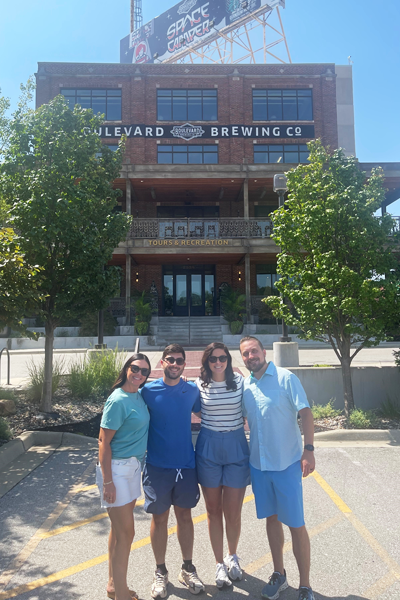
[
  {"x": 301, "y": 551},
  {"x": 123, "y": 530},
  {"x": 213, "y": 499},
  {"x": 185, "y": 531},
  {"x": 276, "y": 541},
  {"x": 159, "y": 536},
  {"x": 111, "y": 545},
  {"x": 232, "y": 499}
]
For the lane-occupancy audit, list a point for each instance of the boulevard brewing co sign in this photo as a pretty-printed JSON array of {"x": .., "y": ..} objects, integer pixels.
[
  {"x": 189, "y": 132},
  {"x": 185, "y": 25}
]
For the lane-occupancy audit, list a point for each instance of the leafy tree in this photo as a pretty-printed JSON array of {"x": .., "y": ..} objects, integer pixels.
[
  {"x": 57, "y": 178},
  {"x": 336, "y": 261}
]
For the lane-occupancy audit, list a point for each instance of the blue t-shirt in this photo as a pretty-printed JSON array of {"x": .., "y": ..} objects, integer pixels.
[
  {"x": 170, "y": 437},
  {"x": 127, "y": 414}
]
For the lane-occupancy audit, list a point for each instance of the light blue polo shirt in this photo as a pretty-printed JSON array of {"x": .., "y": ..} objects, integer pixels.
[
  {"x": 271, "y": 405},
  {"x": 127, "y": 414}
]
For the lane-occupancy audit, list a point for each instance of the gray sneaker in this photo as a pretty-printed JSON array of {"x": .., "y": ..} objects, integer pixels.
[
  {"x": 159, "y": 587},
  {"x": 306, "y": 593},
  {"x": 221, "y": 576},
  {"x": 191, "y": 581},
  {"x": 276, "y": 584},
  {"x": 232, "y": 564}
]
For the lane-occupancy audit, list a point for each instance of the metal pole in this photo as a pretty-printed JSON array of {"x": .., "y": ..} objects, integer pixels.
[
  {"x": 137, "y": 345},
  {"x": 8, "y": 364},
  {"x": 284, "y": 337},
  {"x": 189, "y": 299}
]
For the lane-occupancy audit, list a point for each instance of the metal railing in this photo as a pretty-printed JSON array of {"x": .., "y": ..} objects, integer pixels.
[
  {"x": 200, "y": 228},
  {"x": 8, "y": 364}
]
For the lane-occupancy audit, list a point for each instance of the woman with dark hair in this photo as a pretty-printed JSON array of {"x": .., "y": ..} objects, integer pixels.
[
  {"x": 222, "y": 456},
  {"x": 122, "y": 445}
]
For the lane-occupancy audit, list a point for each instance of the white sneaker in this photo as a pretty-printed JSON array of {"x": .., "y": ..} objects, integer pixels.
[
  {"x": 232, "y": 564},
  {"x": 221, "y": 576},
  {"x": 191, "y": 581},
  {"x": 159, "y": 586}
]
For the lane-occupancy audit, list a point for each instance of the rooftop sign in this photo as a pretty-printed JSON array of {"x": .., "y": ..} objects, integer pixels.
[{"x": 183, "y": 26}]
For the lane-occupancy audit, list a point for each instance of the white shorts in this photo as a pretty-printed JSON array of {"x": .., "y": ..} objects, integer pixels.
[{"x": 126, "y": 475}]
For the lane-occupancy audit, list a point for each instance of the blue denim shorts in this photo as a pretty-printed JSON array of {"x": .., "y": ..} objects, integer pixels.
[
  {"x": 166, "y": 487},
  {"x": 222, "y": 458},
  {"x": 279, "y": 493}
]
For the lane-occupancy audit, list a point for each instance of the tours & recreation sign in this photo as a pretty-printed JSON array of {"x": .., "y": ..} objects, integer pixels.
[
  {"x": 184, "y": 25},
  {"x": 188, "y": 132}
]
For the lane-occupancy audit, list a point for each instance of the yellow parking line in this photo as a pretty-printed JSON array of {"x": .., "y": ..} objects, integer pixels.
[
  {"x": 331, "y": 493},
  {"x": 77, "y": 524},
  {"x": 380, "y": 586},
  {"x": 87, "y": 488}
]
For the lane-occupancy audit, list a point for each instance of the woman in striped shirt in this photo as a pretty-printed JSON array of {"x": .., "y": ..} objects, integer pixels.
[{"x": 222, "y": 456}]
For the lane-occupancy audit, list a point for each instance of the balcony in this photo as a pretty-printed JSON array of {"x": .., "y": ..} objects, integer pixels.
[{"x": 200, "y": 228}]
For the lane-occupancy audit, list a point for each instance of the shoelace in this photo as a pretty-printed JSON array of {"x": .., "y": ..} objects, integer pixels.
[
  {"x": 303, "y": 594},
  {"x": 159, "y": 578},
  {"x": 274, "y": 578},
  {"x": 178, "y": 474}
]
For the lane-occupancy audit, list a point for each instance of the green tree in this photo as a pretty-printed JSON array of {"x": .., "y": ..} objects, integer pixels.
[
  {"x": 57, "y": 178},
  {"x": 336, "y": 261}
]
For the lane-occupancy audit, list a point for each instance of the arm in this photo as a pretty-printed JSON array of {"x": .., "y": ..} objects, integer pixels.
[
  {"x": 308, "y": 459},
  {"x": 105, "y": 437}
]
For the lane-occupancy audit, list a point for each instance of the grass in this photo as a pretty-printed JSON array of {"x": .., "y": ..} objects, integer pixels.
[
  {"x": 322, "y": 365},
  {"x": 36, "y": 379},
  {"x": 362, "y": 419},
  {"x": 389, "y": 409},
  {"x": 325, "y": 411},
  {"x": 94, "y": 376},
  {"x": 5, "y": 431},
  {"x": 7, "y": 394}
]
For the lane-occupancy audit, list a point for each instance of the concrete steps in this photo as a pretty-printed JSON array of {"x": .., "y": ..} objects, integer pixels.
[{"x": 203, "y": 330}]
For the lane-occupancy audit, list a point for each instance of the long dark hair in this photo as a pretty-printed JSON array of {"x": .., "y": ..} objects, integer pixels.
[
  {"x": 205, "y": 372},
  {"x": 121, "y": 379}
]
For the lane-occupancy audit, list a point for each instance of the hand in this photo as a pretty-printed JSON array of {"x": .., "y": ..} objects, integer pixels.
[
  {"x": 307, "y": 463},
  {"x": 184, "y": 378},
  {"x": 109, "y": 493}
]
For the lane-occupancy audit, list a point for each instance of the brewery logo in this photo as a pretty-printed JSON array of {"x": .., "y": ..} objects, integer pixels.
[
  {"x": 186, "y": 6},
  {"x": 187, "y": 131}
]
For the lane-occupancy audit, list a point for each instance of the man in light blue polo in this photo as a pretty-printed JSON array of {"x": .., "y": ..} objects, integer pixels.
[{"x": 272, "y": 398}]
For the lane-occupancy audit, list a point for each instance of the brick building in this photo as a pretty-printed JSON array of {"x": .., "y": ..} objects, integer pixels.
[{"x": 204, "y": 142}]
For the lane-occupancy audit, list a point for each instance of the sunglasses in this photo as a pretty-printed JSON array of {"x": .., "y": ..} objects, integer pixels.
[
  {"x": 136, "y": 369},
  {"x": 171, "y": 360},
  {"x": 222, "y": 359}
]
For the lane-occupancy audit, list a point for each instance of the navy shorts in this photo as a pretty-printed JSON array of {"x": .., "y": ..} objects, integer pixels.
[
  {"x": 222, "y": 458},
  {"x": 166, "y": 487}
]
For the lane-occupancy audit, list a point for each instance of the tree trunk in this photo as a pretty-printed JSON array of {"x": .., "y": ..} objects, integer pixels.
[
  {"x": 46, "y": 400},
  {"x": 347, "y": 385}
]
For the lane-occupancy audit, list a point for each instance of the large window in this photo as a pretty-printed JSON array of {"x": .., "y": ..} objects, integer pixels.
[
  {"x": 282, "y": 105},
  {"x": 273, "y": 153},
  {"x": 107, "y": 102},
  {"x": 266, "y": 279},
  {"x": 187, "y": 155},
  {"x": 187, "y": 105}
]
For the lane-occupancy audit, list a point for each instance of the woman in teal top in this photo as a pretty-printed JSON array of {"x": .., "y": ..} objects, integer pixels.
[{"x": 122, "y": 445}]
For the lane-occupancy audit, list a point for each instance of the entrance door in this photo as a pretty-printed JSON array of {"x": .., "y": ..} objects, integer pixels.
[{"x": 189, "y": 292}]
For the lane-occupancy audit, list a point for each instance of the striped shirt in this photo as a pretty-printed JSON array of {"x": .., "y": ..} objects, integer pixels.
[{"x": 221, "y": 409}]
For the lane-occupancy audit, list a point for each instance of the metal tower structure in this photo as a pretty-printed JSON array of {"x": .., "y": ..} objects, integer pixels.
[{"x": 136, "y": 14}]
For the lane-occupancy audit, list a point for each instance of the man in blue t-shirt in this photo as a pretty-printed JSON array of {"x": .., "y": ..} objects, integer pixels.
[{"x": 169, "y": 476}]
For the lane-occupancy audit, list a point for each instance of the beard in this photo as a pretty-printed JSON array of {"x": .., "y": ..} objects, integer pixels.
[
  {"x": 255, "y": 365},
  {"x": 172, "y": 375}
]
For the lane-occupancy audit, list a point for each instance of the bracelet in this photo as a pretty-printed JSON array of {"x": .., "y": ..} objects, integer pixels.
[{"x": 108, "y": 482}]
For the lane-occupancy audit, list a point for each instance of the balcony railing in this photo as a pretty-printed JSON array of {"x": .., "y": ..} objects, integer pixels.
[{"x": 200, "y": 228}]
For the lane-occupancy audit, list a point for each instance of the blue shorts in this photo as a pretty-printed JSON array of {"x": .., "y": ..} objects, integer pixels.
[
  {"x": 222, "y": 458},
  {"x": 166, "y": 487},
  {"x": 279, "y": 493}
]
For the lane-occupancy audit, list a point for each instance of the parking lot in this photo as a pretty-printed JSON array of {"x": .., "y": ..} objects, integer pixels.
[{"x": 53, "y": 533}]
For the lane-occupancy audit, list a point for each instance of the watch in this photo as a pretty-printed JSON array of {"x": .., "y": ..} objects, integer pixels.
[{"x": 309, "y": 447}]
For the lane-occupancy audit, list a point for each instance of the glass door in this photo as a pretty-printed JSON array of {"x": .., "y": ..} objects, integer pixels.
[
  {"x": 196, "y": 295},
  {"x": 181, "y": 295},
  {"x": 184, "y": 290}
]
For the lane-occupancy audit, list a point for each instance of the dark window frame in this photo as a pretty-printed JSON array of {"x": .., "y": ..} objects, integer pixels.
[
  {"x": 179, "y": 150},
  {"x": 186, "y": 94},
  {"x": 95, "y": 93},
  {"x": 283, "y": 150},
  {"x": 284, "y": 93}
]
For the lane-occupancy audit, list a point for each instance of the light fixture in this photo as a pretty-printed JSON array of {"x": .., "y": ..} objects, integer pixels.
[
  {"x": 153, "y": 193},
  {"x": 244, "y": 4},
  {"x": 137, "y": 277},
  {"x": 240, "y": 276},
  {"x": 211, "y": 24},
  {"x": 264, "y": 191},
  {"x": 280, "y": 183}
]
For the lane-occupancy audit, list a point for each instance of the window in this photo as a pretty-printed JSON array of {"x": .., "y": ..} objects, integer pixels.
[
  {"x": 187, "y": 212},
  {"x": 187, "y": 105},
  {"x": 187, "y": 155},
  {"x": 266, "y": 279},
  {"x": 282, "y": 105},
  {"x": 107, "y": 102},
  {"x": 273, "y": 153}
]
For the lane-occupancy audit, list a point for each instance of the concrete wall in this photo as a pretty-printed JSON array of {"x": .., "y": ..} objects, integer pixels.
[
  {"x": 68, "y": 343},
  {"x": 371, "y": 385},
  {"x": 345, "y": 109}
]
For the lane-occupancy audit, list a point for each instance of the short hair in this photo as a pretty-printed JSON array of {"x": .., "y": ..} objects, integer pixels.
[
  {"x": 248, "y": 338},
  {"x": 173, "y": 349}
]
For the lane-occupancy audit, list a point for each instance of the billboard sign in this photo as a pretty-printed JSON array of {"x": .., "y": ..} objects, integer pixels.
[{"x": 185, "y": 25}]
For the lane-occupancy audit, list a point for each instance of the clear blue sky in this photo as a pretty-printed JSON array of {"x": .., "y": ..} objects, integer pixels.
[{"x": 316, "y": 31}]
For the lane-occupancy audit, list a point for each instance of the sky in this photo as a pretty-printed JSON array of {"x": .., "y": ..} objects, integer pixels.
[{"x": 316, "y": 31}]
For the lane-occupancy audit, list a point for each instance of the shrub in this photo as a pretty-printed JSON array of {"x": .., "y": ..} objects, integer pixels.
[
  {"x": 325, "y": 411},
  {"x": 5, "y": 431},
  {"x": 7, "y": 394},
  {"x": 94, "y": 376},
  {"x": 361, "y": 419},
  {"x": 62, "y": 333},
  {"x": 389, "y": 409},
  {"x": 36, "y": 378},
  {"x": 236, "y": 327},
  {"x": 89, "y": 324},
  {"x": 142, "y": 327}
]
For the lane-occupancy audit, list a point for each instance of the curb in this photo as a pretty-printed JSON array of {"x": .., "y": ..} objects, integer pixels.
[
  {"x": 52, "y": 440},
  {"x": 359, "y": 436}
]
